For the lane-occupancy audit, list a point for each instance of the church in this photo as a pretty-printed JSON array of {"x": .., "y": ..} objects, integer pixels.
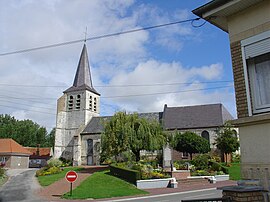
[{"x": 79, "y": 125}]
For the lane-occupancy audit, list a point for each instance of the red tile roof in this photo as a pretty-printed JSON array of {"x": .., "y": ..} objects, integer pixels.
[
  {"x": 45, "y": 151},
  {"x": 8, "y": 145}
]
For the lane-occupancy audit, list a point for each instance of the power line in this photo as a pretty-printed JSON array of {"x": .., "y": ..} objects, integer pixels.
[
  {"x": 101, "y": 36},
  {"x": 12, "y": 107},
  {"x": 174, "y": 92},
  {"x": 126, "y": 85},
  {"x": 28, "y": 105}
]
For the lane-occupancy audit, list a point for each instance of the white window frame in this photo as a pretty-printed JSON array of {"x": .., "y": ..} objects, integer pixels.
[{"x": 252, "y": 108}]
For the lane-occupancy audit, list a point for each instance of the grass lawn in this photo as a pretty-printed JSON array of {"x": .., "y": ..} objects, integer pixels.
[
  {"x": 234, "y": 171},
  {"x": 102, "y": 185},
  {"x": 49, "y": 179}
]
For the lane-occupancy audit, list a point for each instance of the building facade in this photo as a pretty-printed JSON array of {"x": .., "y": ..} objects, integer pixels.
[
  {"x": 248, "y": 25},
  {"x": 13, "y": 155}
]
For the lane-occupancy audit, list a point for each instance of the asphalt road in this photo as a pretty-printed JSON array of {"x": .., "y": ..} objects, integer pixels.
[
  {"x": 21, "y": 186},
  {"x": 177, "y": 197}
]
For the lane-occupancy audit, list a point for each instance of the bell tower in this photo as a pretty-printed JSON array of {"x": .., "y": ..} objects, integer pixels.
[{"x": 75, "y": 108}]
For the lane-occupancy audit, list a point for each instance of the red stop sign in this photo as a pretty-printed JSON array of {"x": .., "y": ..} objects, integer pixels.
[{"x": 71, "y": 176}]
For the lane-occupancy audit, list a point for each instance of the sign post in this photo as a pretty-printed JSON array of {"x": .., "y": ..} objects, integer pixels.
[{"x": 71, "y": 176}]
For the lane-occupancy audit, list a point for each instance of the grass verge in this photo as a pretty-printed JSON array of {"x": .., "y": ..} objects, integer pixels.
[
  {"x": 102, "y": 185},
  {"x": 234, "y": 171},
  {"x": 49, "y": 179}
]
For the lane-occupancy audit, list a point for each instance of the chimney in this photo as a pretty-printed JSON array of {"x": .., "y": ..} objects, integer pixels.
[{"x": 38, "y": 146}]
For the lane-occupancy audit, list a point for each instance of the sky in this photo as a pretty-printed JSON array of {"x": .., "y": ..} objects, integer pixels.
[{"x": 177, "y": 65}]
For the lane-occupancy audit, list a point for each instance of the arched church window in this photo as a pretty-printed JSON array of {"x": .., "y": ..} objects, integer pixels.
[
  {"x": 78, "y": 102},
  {"x": 205, "y": 135},
  {"x": 70, "y": 103},
  {"x": 90, "y": 102},
  {"x": 90, "y": 147},
  {"x": 95, "y": 104}
]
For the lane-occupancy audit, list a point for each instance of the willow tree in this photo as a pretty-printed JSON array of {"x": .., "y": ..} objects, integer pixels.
[{"x": 129, "y": 132}]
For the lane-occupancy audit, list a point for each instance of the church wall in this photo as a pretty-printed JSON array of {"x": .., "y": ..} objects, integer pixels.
[{"x": 96, "y": 151}]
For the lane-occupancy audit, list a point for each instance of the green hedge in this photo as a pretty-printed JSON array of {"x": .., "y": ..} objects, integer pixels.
[
  {"x": 218, "y": 167},
  {"x": 127, "y": 174}
]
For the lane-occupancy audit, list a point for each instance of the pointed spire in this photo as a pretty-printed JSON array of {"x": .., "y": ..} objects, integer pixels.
[
  {"x": 83, "y": 76},
  {"x": 82, "y": 80}
]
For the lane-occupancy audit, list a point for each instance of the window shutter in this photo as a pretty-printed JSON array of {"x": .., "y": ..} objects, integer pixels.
[{"x": 258, "y": 48}]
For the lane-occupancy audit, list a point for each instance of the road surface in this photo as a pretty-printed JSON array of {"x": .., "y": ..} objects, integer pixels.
[{"x": 21, "y": 186}]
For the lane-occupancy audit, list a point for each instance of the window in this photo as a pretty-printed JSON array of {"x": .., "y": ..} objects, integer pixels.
[
  {"x": 90, "y": 102},
  {"x": 259, "y": 78},
  {"x": 205, "y": 135},
  {"x": 78, "y": 102},
  {"x": 256, "y": 59},
  {"x": 70, "y": 103},
  {"x": 95, "y": 104}
]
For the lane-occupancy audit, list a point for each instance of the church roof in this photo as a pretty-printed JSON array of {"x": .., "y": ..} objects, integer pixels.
[
  {"x": 82, "y": 80},
  {"x": 192, "y": 117},
  {"x": 173, "y": 118},
  {"x": 96, "y": 125}
]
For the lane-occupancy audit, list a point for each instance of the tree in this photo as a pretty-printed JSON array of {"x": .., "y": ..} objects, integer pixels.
[
  {"x": 226, "y": 140},
  {"x": 128, "y": 132},
  {"x": 190, "y": 142},
  {"x": 25, "y": 132}
]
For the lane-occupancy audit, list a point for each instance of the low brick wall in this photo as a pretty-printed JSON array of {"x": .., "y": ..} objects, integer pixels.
[
  {"x": 244, "y": 194},
  {"x": 181, "y": 174}
]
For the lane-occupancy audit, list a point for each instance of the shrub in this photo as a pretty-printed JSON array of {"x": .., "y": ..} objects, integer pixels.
[
  {"x": 54, "y": 163},
  {"x": 200, "y": 173},
  {"x": 201, "y": 161},
  {"x": 218, "y": 167},
  {"x": 181, "y": 165},
  {"x": 127, "y": 174},
  {"x": 236, "y": 158},
  {"x": 2, "y": 172},
  {"x": 48, "y": 171},
  {"x": 65, "y": 162}
]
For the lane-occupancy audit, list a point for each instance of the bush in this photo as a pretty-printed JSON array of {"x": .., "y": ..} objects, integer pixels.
[
  {"x": 48, "y": 171},
  {"x": 200, "y": 173},
  {"x": 2, "y": 172},
  {"x": 65, "y": 162},
  {"x": 201, "y": 161},
  {"x": 218, "y": 167},
  {"x": 127, "y": 174},
  {"x": 236, "y": 158},
  {"x": 54, "y": 163},
  {"x": 181, "y": 165}
]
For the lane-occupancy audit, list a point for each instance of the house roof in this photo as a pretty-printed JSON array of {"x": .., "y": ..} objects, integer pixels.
[
  {"x": 43, "y": 151},
  {"x": 217, "y": 11},
  {"x": 192, "y": 117},
  {"x": 82, "y": 80},
  {"x": 189, "y": 117},
  {"x": 10, "y": 146}
]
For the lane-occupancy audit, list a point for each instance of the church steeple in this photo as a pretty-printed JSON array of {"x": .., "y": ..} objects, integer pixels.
[{"x": 82, "y": 80}]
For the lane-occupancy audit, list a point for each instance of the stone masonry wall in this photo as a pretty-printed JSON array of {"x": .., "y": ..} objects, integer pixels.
[
  {"x": 239, "y": 80},
  {"x": 244, "y": 196}
]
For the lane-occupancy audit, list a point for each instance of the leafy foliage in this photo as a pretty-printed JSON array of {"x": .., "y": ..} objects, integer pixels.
[
  {"x": 201, "y": 161},
  {"x": 227, "y": 141},
  {"x": 25, "y": 132},
  {"x": 128, "y": 132},
  {"x": 190, "y": 142}
]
